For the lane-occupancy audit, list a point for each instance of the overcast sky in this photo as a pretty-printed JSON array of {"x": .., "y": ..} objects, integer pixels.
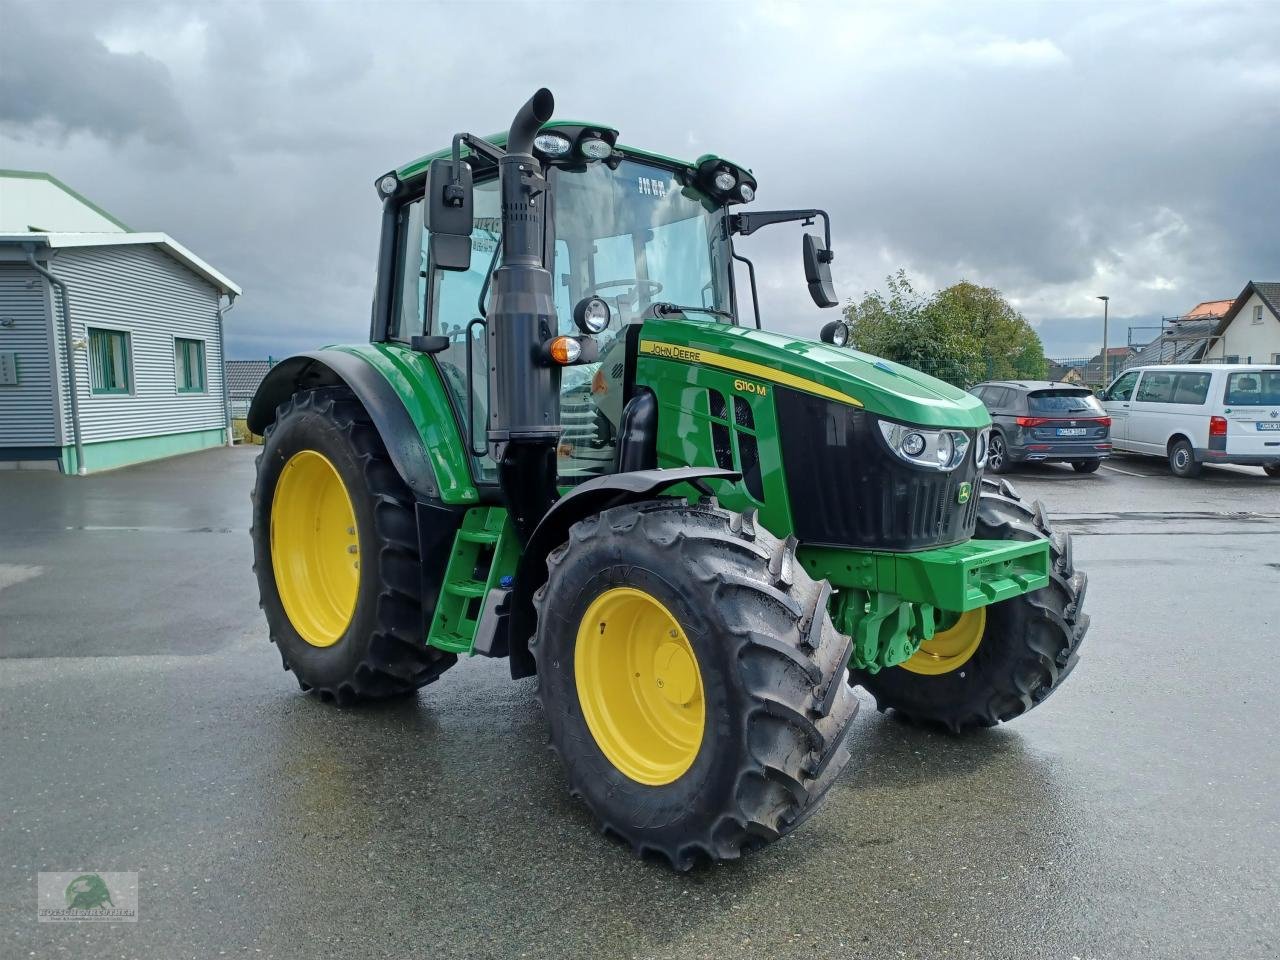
[{"x": 1054, "y": 151}]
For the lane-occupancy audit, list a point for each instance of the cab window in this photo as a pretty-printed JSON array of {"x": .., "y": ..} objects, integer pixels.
[{"x": 452, "y": 306}]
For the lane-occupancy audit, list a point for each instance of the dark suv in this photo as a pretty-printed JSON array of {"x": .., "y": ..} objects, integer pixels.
[{"x": 1044, "y": 421}]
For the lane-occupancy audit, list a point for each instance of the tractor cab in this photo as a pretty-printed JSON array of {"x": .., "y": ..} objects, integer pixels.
[{"x": 628, "y": 235}]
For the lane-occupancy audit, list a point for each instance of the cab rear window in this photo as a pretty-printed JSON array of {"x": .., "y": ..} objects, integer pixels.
[
  {"x": 1254, "y": 389},
  {"x": 1063, "y": 402}
]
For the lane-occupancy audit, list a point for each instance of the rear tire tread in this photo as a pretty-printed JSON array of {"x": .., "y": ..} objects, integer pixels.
[{"x": 397, "y": 660}]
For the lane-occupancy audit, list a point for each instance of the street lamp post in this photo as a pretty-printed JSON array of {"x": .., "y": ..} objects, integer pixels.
[{"x": 1106, "y": 303}]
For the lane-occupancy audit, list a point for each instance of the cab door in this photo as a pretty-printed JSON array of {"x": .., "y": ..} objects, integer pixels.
[{"x": 1116, "y": 400}]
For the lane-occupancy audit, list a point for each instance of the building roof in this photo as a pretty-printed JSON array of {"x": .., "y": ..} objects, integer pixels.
[
  {"x": 1209, "y": 308},
  {"x": 162, "y": 240},
  {"x": 1182, "y": 342},
  {"x": 244, "y": 376},
  {"x": 1270, "y": 294},
  {"x": 32, "y": 200}
]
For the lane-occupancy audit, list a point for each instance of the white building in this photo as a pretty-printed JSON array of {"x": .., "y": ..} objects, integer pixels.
[
  {"x": 1249, "y": 332},
  {"x": 111, "y": 341}
]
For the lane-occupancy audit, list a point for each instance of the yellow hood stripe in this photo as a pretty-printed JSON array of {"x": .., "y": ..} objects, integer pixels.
[{"x": 671, "y": 351}]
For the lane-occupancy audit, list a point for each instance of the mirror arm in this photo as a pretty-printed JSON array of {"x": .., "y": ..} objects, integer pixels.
[
  {"x": 479, "y": 147},
  {"x": 748, "y": 223}
]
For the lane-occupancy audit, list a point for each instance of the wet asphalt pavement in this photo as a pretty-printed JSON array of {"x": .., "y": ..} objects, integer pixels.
[{"x": 146, "y": 725}]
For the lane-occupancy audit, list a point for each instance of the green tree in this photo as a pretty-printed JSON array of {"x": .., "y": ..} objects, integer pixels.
[{"x": 963, "y": 334}]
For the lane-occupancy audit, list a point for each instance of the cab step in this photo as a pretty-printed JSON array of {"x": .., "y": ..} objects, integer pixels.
[{"x": 481, "y": 565}]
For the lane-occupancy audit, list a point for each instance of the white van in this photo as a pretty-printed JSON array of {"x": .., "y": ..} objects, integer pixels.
[{"x": 1200, "y": 413}]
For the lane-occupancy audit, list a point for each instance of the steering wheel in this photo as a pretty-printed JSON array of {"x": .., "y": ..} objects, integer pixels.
[{"x": 649, "y": 286}]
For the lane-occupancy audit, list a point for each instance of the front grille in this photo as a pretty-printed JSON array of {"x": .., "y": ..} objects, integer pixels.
[{"x": 847, "y": 489}]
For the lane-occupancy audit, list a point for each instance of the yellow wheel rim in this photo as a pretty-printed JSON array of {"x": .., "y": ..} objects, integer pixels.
[
  {"x": 950, "y": 649},
  {"x": 639, "y": 686},
  {"x": 315, "y": 550}
]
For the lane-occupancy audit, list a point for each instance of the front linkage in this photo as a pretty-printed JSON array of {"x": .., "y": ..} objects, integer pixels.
[{"x": 890, "y": 603}]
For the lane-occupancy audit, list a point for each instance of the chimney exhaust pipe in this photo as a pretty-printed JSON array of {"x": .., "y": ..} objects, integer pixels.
[{"x": 528, "y": 120}]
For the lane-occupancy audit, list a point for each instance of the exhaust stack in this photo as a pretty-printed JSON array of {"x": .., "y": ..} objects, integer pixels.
[{"x": 524, "y": 408}]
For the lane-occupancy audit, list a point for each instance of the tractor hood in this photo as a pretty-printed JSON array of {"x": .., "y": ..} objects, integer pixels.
[{"x": 879, "y": 386}]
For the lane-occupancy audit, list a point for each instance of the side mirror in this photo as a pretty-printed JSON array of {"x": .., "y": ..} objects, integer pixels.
[
  {"x": 449, "y": 214},
  {"x": 817, "y": 270}
]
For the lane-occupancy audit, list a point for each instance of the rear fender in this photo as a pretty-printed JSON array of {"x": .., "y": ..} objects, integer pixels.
[
  {"x": 433, "y": 465},
  {"x": 594, "y": 496}
]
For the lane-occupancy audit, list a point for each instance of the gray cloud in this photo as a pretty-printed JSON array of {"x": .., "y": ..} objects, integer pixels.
[
  {"x": 1053, "y": 151},
  {"x": 59, "y": 80}
]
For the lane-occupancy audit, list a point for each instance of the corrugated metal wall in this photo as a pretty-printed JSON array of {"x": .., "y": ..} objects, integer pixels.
[
  {"x": 26, "y": 411},
  {"x": 142, "y": 290}
]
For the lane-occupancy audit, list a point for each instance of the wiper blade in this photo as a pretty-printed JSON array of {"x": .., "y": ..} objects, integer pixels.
[{"x": 666, "y": 309}]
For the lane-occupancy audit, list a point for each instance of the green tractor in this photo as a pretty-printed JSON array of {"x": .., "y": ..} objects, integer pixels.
[{"x": 562, "y": 446}]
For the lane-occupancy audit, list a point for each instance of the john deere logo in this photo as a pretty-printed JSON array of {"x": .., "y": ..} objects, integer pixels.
[{"x": 964, "y": 493}]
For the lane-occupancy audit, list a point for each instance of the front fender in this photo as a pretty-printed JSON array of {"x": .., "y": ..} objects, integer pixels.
[{"x": 594, "y": 496}]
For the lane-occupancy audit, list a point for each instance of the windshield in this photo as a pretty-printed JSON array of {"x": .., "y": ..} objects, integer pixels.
[
  {"x": 1063, "y": 402},
  {"x": 634, "y": 237},
  {"x": 1255, "y": 389}
]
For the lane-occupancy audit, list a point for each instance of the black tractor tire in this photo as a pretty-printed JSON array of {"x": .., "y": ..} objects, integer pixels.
[
  {"x": 1029, "y": 647},
  {"x": 1182, "y": 460},
  {"x": 777, "y": 709},
  {"x": 1272, "y": 470},
  {"x": 998, "y": 455},
  {"x": 1086, "y": 466},
  {"x": 382, "y": 653}
]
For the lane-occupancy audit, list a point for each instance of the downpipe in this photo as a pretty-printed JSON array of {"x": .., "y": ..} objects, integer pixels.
[
  {"x": 72, "y": 376},
  {"x": 222, "y": 354}
]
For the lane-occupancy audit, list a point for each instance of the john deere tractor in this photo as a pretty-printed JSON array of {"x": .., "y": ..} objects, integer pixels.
[{"x": 563, "y": 445}]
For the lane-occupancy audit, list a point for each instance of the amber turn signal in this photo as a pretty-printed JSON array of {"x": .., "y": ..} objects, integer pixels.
[{"x": 564, "y": 350}]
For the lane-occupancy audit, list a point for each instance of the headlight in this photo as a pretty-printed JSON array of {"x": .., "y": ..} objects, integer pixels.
[
  {"x": 724, "y": 180},
  {"x": 935, "y": 449},
  {"x": 552, "y": 144},
  {"x": 388, "y": 184},
  {"x": 980, "y": 448},
  {"x": 595, "y": 149},
  {"x": 746, "y": 192},
  {"x": 591, "y": 315}
]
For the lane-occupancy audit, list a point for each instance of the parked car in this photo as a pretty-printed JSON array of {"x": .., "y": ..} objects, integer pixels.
[
  {"x": 1044, "y": 421},
  {"x": 1198, "y": 413}
]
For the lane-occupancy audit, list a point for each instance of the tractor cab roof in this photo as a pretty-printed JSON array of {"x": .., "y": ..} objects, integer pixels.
[{"x": 415, "y": 170}]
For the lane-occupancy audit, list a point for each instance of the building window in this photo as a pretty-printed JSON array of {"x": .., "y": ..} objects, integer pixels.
[
  {"x": 1257, "y": 314},
  {"x": 188, "y": 358},
  {"x": 109, "y": 361}
]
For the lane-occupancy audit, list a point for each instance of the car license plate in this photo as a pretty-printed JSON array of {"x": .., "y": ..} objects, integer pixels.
[
  {"x": 1072, "y": 431},
  {"x": 1274, "y": 425}
]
